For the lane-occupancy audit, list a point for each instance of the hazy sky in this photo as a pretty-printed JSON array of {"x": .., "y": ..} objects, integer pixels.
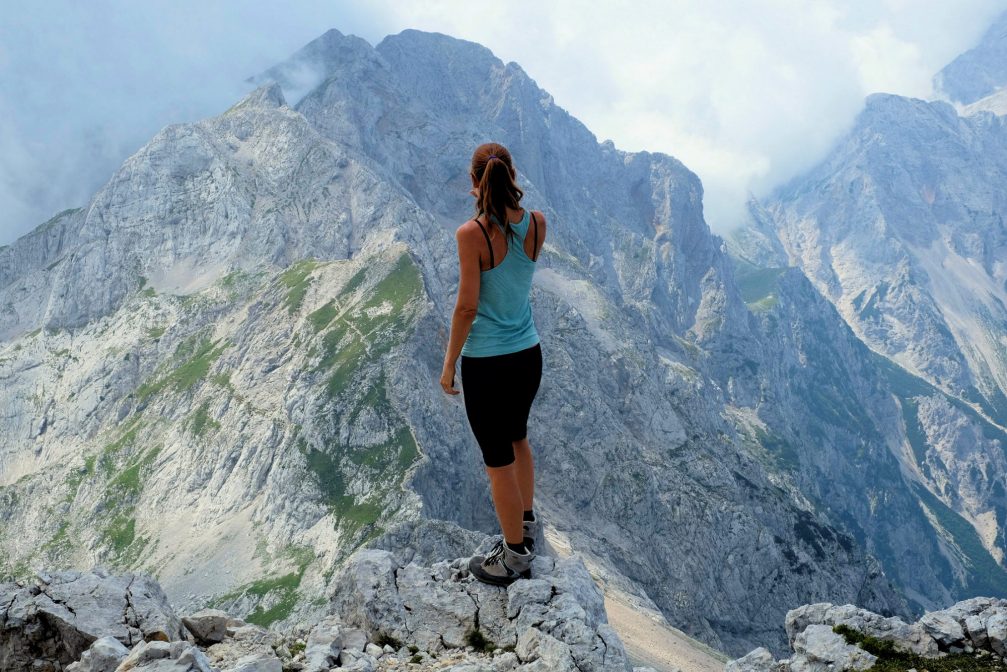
[{"x": 745, "y": 93}]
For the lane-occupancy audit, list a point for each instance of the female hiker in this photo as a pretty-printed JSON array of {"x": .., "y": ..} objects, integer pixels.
[{"x": 501, "y": 358}]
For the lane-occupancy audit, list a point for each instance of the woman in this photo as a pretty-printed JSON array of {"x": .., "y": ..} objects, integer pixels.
[{"x": 493, "y": 332}]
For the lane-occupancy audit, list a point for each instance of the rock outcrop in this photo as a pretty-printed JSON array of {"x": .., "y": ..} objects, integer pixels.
[
  {"x": 832, "y": 637},
  {"x": 385, "y": 615}
]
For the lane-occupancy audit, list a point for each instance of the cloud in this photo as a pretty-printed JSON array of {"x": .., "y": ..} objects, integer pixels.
[{"x": 746, "y": 94}]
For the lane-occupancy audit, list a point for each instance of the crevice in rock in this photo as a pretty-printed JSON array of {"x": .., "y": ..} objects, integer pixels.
[
  {"x": 60, "y": 602},
  {"x": 127, "y": 608},
  {"x": 6, "y": 610}
]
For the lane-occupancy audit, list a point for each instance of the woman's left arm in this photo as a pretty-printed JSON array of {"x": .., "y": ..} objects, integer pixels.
[{"x": 465, "y": 306}]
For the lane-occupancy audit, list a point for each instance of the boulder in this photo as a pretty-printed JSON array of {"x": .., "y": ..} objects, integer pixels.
[
  {"x": 757, "y": 660},
  {"x": 104, "y": 655},
  {"x": 818, "y": 649},
  {"x": 56, "y": 619},
  {"x": 208, "y": 626}
]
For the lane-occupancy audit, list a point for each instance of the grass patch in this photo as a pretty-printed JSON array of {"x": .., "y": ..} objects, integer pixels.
[
  {"x": 321, "y": 318},
  {"x": 190, "y": 372},
  {"x": 106, "y": 460},
  {"x": 757, "y": 285},
  {"x": 286, "y": 585},
  {"x": 155, "y": 332},
  {"x": 296, "y": 279},
  {"x": 893, "y": 659},
  {"x": 127, "y": 483},
  {"x": 371, "y": 329},
  {"x": 329, "y": 476},
  {"x": 223, "y": 379},
  {"x": 200, "y": 420}
]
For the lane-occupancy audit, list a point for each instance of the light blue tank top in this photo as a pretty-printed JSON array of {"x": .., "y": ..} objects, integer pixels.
[{"x": 503, "y": 321}]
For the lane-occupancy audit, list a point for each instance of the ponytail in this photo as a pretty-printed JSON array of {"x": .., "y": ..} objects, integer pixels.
[{"x": 494, "y": 172}]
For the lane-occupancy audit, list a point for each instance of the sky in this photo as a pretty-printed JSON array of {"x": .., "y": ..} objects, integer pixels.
[{"x": 746, "y": 93}]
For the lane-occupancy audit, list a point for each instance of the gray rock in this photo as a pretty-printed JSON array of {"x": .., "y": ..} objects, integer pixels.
[
  {"x": 818, "y": 649},
  {"x": 104, "y": 655},
  {"x": 944, "y": 628},
  {"x": 996, "y": 631},
  {"x": 324, "y": 645},
  {"x": 756, "y": 660},
  {"x": 256, "y": 662},
  {"x": 59, "y": 617},
  {"x": 158, "y": 656},
  {"x": 209, "y": 626}
]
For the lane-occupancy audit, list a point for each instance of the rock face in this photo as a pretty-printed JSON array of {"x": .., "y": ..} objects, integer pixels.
[
  {"x": 223, "y": 369},
  {"x": 969, "y": 626},
  {"x": 384, "y": 615},
  {"x": 555, "y": 620},
  {"x": 59, "y": 616}
]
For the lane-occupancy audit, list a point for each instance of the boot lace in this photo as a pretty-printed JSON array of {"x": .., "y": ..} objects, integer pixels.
[{"x": 496, "y": 555}]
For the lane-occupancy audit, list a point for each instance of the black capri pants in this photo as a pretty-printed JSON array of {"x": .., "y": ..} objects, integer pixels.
[{"x": 498, "y": 392}]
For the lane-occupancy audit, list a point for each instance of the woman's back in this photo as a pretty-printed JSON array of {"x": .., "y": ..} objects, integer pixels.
[{"x": 503, "y": 321}]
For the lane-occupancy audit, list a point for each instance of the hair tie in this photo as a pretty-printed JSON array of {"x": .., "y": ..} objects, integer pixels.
[{"x": 493, "y": 156}]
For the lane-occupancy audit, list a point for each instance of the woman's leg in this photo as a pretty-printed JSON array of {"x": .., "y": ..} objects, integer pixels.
[
  {"x": 525, "y": 467},
  {"x": 508, "y": 501}
]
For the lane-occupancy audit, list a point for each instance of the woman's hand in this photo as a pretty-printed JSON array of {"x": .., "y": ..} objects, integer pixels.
[{"x": 448, "y": 378}]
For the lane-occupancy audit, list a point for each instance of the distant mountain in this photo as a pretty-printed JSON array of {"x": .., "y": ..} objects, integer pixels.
[
  {"x": 980, "y": 71},
  {"x": 222, "y": 369},
  {"x": 902, "y": 229}
]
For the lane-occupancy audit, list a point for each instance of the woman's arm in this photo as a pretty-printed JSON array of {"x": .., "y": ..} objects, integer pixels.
[{"x": 466, "y": 304}]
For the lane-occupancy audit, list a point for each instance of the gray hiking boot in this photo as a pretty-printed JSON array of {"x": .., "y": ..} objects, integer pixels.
[
  {"x": 532, "y": 532},
  {"x": 501, "y": 566}
]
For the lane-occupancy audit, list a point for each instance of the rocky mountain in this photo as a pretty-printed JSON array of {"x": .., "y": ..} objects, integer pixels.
[
  {"x": 980, "y": 71},
  {"x": 222, "y": 370},
  {"x": 901, "y": 229}
]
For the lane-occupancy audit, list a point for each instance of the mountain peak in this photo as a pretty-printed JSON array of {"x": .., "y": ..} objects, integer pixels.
[
  {"x": 314, "y": 62},
  {"x": 979, "y": 71},
  {"x": 432, "y": 42},
  {"x": 268, "y": 95}
]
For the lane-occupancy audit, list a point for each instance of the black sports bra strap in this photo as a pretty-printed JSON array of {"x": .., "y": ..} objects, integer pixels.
[
  {"x": 488, "y": 243},
  {"x": 534, "y": 249}
]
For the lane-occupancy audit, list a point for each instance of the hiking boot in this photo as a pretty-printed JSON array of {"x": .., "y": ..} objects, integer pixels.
[
  {"x": 501, "y": 566},
  {"x": 532, "y": 530}
]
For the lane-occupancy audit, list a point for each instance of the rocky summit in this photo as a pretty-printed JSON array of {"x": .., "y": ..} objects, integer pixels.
[
  {"x": 382, "y": 615},
  {"x": 970, "y": 635}
]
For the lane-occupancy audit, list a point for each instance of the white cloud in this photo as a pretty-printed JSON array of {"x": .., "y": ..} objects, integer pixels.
[{"x": 744, "y": 93}]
